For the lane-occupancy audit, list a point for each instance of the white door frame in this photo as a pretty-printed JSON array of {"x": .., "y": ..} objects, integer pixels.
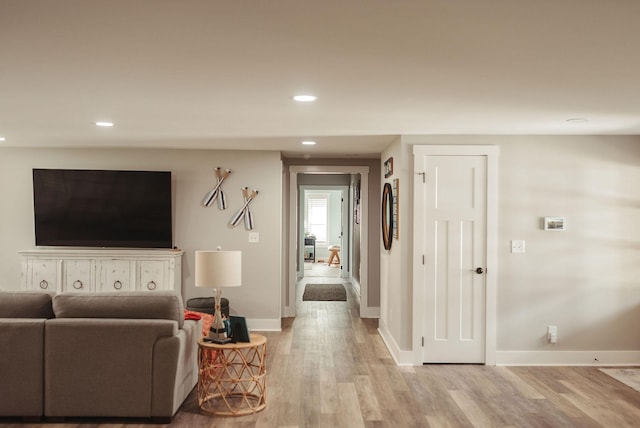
[
  {"x": 294, "y": 170},
  {"x": 491, "y": 152}
]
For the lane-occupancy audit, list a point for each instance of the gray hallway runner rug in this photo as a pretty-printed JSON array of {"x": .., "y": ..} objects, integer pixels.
[{"x": 325, "y": 292}]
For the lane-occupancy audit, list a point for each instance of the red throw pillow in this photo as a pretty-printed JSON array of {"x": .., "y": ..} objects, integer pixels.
[{"x": 207, "y": 319}]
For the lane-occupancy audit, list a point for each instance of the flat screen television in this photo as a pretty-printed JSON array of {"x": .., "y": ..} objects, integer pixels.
[{"x": 102, "y": 208}]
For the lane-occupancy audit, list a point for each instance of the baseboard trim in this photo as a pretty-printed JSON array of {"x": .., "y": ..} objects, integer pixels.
[
  {"x": 356, "y": 286},
  {"x": 568, "y": 358},
  {"x": 401, "y": 358},
  {"x": 289, "y": 311},
  {"x": 264, "y": 324},
  {"x": 371, "y": 312}
]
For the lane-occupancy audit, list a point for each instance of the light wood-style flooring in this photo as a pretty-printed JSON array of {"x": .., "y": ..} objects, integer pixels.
[{"x": 329, "y": 368}]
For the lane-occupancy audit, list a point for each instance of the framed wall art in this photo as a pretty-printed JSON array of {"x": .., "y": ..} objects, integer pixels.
[
  {"x": 388, "y": 168},
  {"x": 387, "y": 216},
  {"x": 554, "y": 224},
  {"x": 396, "y": 208}
]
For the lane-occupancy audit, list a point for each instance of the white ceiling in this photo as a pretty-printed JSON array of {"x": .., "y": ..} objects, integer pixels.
[{"x": 220, "y": 74}]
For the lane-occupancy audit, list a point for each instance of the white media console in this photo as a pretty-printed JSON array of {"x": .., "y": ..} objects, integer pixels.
[{"x": 97, "y": 270}]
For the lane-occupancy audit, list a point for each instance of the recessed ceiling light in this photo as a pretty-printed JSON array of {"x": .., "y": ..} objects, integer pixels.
[
  {"x": 577, "y": 120},
  {"x": 309, "y": 143},
  {"x": 305, "y": 98},
  {"x": 3, "y": 139},
  {"x": 104, "y": 124}
]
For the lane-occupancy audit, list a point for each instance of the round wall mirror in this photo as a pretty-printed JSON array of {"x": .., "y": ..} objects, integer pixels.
[{"x": 387, "y": 216}]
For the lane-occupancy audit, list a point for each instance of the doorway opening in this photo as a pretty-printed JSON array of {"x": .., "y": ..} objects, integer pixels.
[
  {"x": 325, "y": 243},
  {"x": 323, "y": 222}
]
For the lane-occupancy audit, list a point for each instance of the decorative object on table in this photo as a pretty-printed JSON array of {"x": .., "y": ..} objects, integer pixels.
[
  {"x": 216, "y": 193},
  {"x": 227, "y": 327},
  {"x": 324, "y": 293},
  {"x": 217, "y": 269},
  {"x": 388, "y": 168},
  {"x": 554, "y": 224},
  {"x": 242, "y": 212},
  {"x": 239, "y": 330},
  {"x": 396, "y": 208},
  {"x": 387, "y": 216}
]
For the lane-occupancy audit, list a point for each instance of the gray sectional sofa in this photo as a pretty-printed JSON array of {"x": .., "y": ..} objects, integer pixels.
[{"x": 95, "y": 355}]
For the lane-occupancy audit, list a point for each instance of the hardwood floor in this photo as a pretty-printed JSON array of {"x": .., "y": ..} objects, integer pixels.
[
  {"x": 321, "y": 269},
  {"x": 329, "y": 368}
]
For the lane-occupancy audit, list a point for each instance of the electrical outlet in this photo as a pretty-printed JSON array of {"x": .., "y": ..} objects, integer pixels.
[{"x": 254, "y": 237}]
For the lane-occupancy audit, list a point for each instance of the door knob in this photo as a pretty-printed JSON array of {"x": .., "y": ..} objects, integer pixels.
[{"x": 479, "y": 271}]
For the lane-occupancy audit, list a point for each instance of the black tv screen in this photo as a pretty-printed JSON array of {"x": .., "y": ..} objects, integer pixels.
[{"x": 98, "y": 208}]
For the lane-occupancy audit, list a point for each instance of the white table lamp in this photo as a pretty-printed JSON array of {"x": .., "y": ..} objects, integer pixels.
[{"x": 217, "y": 269}]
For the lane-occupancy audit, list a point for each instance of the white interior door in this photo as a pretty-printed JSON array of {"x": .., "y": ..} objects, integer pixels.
[{"x": 454, "y": 216}]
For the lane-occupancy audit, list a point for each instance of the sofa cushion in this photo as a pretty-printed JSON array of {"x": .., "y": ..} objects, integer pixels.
[
  {"x": 25, "y": 304},
  {"x": 133, "y": 305}
]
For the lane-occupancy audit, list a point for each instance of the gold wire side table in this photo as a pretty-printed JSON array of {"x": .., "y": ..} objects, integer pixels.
[{"x": 232, "y": 378}]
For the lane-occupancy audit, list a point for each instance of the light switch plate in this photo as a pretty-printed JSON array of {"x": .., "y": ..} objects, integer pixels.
[
  {"x": 254, "y": 237},
  {"x": 517, "y": 246}
]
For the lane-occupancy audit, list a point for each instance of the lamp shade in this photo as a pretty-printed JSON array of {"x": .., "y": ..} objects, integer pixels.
[{"x": 216, "y": 269}]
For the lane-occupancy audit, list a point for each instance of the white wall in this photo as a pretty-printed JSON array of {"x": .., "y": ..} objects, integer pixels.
[
  {"x": 195, "y": 227},
  {"x": 394, "y": 310},
  {"x": 585, "y": 280}
]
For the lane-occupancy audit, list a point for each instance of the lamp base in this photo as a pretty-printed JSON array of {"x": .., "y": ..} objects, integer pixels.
[{"x": 218, "y": 330}]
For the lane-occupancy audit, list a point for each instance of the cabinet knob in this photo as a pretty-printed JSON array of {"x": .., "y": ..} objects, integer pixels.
[
  {"x": 77, "y": 284},
  {"x": 44, "y": 284},
  {"x": 117, "y": 285},
  {"x": 151, "y": 285}
]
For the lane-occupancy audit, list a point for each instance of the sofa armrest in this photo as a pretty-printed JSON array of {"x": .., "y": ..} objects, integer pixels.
[
  {"x": 21, "y": 367},
  {"x": 174, "y": 381}
]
